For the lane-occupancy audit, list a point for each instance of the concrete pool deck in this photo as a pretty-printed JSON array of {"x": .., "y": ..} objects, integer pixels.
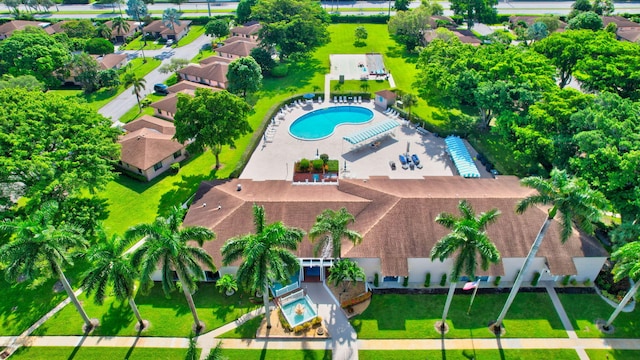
[{"x": 275, "y": 160}]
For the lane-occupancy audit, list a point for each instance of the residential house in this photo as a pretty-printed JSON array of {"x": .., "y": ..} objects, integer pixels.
[
  {"x": 396, "y": 220},
  {"x": 249, "y": 31},
  {"x": 215, "y": 58},
  {"x": 167, "y": 107},
  {"x": 530, "y": 20},
  {"x": 626, "y": 30},
  {"x": 112, "y": 61},
  {"x": 236, "y": 49},
  {"x": 186, "y": 85},
  {"x": 148, "y": 147},
  {"x": 119, "y": 35},
  {"x": 384, "y": 99},
  {"x": 57, "y": 27},
  {"x": 159, "y": 30},
  {"x": 8, "y": 28},
  {"x": 212, "y": 74}
]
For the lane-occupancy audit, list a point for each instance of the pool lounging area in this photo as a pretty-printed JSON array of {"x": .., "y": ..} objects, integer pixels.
[
  {"x": 320, "y": 124},
  {"x": 461, "y": 157}
]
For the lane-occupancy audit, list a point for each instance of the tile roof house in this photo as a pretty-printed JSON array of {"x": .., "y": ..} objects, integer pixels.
[
  {"x": 236, "y": 49},
  {"x": 215, "y": 58},
  {"x": 8, "y": 28},
  {"x": 158, "y": 29},
  {"x": 112, "y": 61},
  {"x": 167, "y": 107},
  {"x": 530, "y": 20},
  {"x": 249, "y": 31},
  {"x": 120, "y": 35},
  {"x": 186, "y": 85},
  {"x": 148, "y": 147},
  {"x": 626, "y": 29},
  {"x": 396, "y": 219},
  {"x": 57, "y": 27},
  {"x": 384, "y": 98},
  {"x": 213, "y": 74}
]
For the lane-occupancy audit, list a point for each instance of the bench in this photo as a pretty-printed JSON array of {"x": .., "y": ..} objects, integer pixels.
[{"x": 422, "y": 131}]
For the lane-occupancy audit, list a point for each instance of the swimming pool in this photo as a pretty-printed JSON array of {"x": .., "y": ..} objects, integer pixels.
[{"x": 320, "y": 124}]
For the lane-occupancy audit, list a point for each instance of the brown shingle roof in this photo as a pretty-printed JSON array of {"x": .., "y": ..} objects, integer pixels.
[
  {"x": 215, "y": 58},
  {"x": 466, "y": 37},
  {"x": 168, "y": 104},
  {"x": 146, "y": 147},
  {"x": 401, "y": 210},
  {"x": 619, "y": 21},
  {"x": 239, "y": 48},
  {"x": 247, "y": 30},
  {"x": 387, "y": 94},
  {"x": 188, "y": 85},
  {"x": 215, "y": 71},
  {"x": 150, "y": 122},
  {"x": 158, "y": 26},
  {"x": 629, "y": 34},
  {"x": 57, "y": 27},
  {"x": 232, "y": 39},
  {"x": 109, "y": 61},
  {"x": 530, "y": 20},
  {"x": 9, "y": 27}
]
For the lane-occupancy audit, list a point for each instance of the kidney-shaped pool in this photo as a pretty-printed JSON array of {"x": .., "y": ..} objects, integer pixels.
[{"x": 320, "y": 124}]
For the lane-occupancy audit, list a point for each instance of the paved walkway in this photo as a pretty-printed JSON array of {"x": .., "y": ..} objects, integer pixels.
[
  {"x": 566, "y": 323},
  {"x": 125, "y": 101}
]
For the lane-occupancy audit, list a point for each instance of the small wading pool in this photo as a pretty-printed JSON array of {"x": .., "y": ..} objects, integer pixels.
[
  {"x": 320, "y": 124},
  {"x": 295, "y": 319}
]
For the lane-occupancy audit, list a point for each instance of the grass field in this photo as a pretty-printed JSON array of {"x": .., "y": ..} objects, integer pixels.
[
  {"x": 592, "y": 307},
  {"x": 277, "y": 354},
  {"x": 245, "y": 331},
  {"x": 413, "y": 317},
  {"x": 613, "y": 354},
  {"x": 168, "y": 316},
  {"x": 194, "y": 32},
  {"x": 98, "y": 353},
  {"x": 468, "y": 354}
]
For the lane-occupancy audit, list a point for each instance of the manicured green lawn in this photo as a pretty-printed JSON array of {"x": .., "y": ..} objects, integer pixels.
[
  {"x": 277, "y": 354},
  {"x": 245, "y": 331},
  {"x": 584, "y": 309},
  {"x": 100, "y": 98},
  {"x": 567, "y": 354},
  {"x": 194, "y": 32},
  {"x": 168, "y": 316},
  {"x": 413, "y": 316},
  {"x": 348, "y": 86},
  {"x": 99, "y": 353},
  {"x": 138, "y": 43},
  {"x": 613, "y": 354},
  {"x": 135, "y": 111}
]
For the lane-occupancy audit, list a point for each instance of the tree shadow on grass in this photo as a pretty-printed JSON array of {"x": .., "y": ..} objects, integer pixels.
[
  {"x": 312, "y": 355},
  {"x": 182, "y": 190},
  {"x": 115, "y": 319}
]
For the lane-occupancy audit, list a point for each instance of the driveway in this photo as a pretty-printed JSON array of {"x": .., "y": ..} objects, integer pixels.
[{"x": 126, "y": 100}]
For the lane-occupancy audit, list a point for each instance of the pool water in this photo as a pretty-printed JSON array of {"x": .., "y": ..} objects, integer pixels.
[
  {"x": 289, "y": 311},
  {"x": 320, "y": 124}
]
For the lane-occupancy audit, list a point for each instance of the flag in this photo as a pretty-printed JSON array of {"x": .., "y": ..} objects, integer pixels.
[{"x": 470, "y": 285}]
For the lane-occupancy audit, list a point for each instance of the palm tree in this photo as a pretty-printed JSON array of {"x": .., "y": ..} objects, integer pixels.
[
  {"x": 167, "y": 245},
  {"x": 345, "y": 272},
  {"x": 627, "y": 260},
  {"x": 569, "y": 196},
  {"x": 120, "y": 25},
  {"x": 110, "y": 265},
  {"x": 469, "y": 240},
  {"x": 138, "y": 83},
  {"x": 103, "y": 31},
  {"x": 37, "y": 241},
  {"x": 330, "y": 228},
  {"x": 216, "y": 352},
  {"x": 171, "y": 18},
  {"x": 409, "y": 101},
  {"x": 266, "y": 255}
]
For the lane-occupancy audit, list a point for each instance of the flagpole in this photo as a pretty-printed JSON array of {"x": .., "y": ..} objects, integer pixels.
[{"x": 473, "y": 297}]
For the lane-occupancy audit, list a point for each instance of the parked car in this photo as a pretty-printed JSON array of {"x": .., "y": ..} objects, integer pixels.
[
  {"x": 161, "y": 89},
  {"x": 169, "y": 42}
]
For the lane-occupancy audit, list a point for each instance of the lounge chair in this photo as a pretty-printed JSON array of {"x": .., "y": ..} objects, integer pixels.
[
  {"x": 416, "y": 161},
  {"x": 359, "y": 99},
  {"x": 404, "y": 162},
  {"x": 335, "y": 99},
  {"x": 387, "y": 111}
]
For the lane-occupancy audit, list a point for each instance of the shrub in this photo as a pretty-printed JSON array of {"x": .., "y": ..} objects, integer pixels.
[
  {"x": 496, "y": 281},
  {"x": 574, "y": 282},
  {"x": 536, "y": 278},
  {"x": 175, "y": 167},
  {"x": 565, "y": 280},
  {"x": 280, "y": 71},
  {"x": 443, "y": 280},
  {"x": 304, "y": 165},
  {"x": 375, "y": 280},
  {"x": 405, "y": 281},
  {"x": 587, "y": 282},
  {"x": 333, "y": 165},
  {"x": 317, "y": 164},
  {"x": 324, "y": 158},
  {"x": 427, "y": 280}
]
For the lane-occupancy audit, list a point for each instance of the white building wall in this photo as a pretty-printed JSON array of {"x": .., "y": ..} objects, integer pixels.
[
  {"x": 419, "y": 267},
  {"x": 223, "y": 270},
  {"x": 371, "y": 266},
  {"x": 588, "y": 268}
]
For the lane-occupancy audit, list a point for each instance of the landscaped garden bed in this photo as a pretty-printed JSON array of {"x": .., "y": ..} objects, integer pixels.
[{"x": 318, "y": 170}]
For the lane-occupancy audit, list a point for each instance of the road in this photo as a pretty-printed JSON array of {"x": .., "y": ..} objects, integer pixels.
[
  {"x": 352, "y": 7},
  {"x": 125, "y": 101}
]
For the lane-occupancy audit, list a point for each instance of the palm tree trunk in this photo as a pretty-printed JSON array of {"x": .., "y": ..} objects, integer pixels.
[
  {"x": 523, "y": 270},
  {"x": 192, "y": 306},
  {"x": 622, "y": 304},
  {"x": 134, "y": 307},
  {"x": 72, "y": 296},
  {"x": 447, "y": 305},
  {"x": 265, "y": 300}
]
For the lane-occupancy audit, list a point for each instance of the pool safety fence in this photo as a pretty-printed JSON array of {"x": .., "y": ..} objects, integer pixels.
[{"x": 291, "y": 298}]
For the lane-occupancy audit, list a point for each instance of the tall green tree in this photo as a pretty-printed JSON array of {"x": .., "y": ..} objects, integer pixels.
[
  {"x": 99, "y": 46},
  {"x": 243, "y": 11},
  {"x": 85, "y": 69},
  {"x": 83, "y": 28},
  {"x": 292, "y": 26},
  {"x": 329, "y": 229},
  {"x": 345, "y": 272},
  {"x": 111, "y": 269},
  {"x": 138, "y": 84},
  {"x": 586, "y": 20},
  {"x": 401, "y": 5},
  {"x": 564, "y": 50},
  {"x": 103, "y": 31},
  {"x": 217, "y": 28},
  {"x": 52, "y": 147},
  {"x": 570, "y": 198},
  {"x": 167, "y": 245},
  {"x": 468, "y": 241},
  {"x": 603, "y": 7},
  {"x": 244, "y": 75},
  {"x": 33, "y": 52},
  {"x": 266, "y": 255},
  {"x": 120, "y": 25},
  {"x": 627, "y": 264},
  {"x": 482, "y": 11},
  {"x": 171, "y": 18},
  {"x": 211, "y": 119},
  {"x": 37, "y": 245},
  {"x": 27, "y": 82},
  {"x": 137, "y": 9},
  {"x": 263, "y": 57},
  {"x": 409, "y": 26}
]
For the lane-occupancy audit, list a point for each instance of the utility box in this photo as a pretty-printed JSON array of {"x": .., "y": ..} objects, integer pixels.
[{"x": 341, "y": 79}]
